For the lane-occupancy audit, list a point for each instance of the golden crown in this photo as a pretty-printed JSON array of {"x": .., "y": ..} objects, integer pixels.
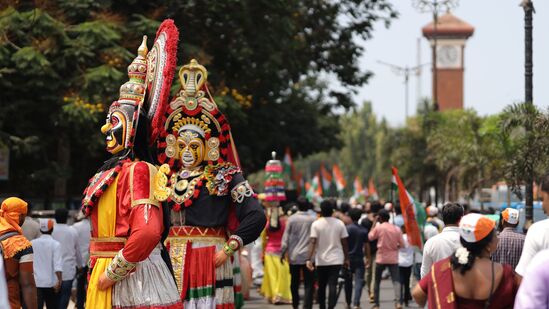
[{"x": 191, "y": 123}]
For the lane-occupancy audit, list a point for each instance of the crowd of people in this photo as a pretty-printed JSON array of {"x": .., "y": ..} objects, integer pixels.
[{"x": 468, "y": 260}]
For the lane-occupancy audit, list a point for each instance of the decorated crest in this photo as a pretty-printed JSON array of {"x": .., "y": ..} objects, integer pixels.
[
  {"x": 194, "y": 112},
  {"x": 150, "y": 78},
  {"x": 161, "y": 62}
]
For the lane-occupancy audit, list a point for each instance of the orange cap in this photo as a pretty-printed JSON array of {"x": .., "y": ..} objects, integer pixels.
[
  {"x": 46, "y": 225},
  {"x": 474, "y": 227},
  {"x": 510, "y": 215}
]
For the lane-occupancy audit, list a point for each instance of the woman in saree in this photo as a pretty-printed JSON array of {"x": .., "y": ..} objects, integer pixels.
[{"x": 468, "y": 278}]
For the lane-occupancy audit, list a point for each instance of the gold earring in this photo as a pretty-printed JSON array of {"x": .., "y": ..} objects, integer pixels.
[{"x": 213, "y": 149}]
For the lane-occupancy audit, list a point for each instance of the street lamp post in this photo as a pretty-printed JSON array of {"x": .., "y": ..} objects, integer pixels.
[
  {"x": 528, "y": 7},
  {"x": 435, "y": 7},
  {"x": 404, "y": 71}
]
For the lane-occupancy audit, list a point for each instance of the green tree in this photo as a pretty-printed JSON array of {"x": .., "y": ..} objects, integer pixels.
[
  {"x": 358, "y": 135},
  {"x": 62, "y": 62},
  {"x": 524, "y": 132}
]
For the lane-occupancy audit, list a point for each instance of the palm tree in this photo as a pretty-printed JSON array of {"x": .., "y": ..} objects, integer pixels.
[{"x": 526, "y": 130}]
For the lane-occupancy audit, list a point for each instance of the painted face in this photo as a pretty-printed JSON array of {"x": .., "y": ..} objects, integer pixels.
[
  {"x": 115, "y": 131},
  {"x": 191, "y": 148}
]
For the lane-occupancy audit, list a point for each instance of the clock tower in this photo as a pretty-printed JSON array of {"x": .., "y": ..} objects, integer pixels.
[{"x": 448, "y": 45}]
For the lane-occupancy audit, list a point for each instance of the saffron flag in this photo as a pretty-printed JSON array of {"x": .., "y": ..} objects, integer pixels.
[
  {"x": 326, "y": 177},
  {"x": 315, "y": 190},
  {"x": 300, "y": 183},
  {"x": 289, "y": 169},
  {"x": 372, "y": 192},
  {"x": 412, "y": 212},
  {"x": 357, "y": 187},
  {"x": 288, "y": 164},
  {"x": 339, "y": 179}
]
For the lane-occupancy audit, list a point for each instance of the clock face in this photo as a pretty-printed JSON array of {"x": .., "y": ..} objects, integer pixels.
[{"x": 448, "y": 56}]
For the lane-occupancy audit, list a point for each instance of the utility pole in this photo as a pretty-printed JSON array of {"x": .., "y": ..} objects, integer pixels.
[
  {"x": 418, "y": 72},
  {"x": 435, "y": 7},
  {"x": 528, "y": 7},
  {"x": 404, "y": 71}
]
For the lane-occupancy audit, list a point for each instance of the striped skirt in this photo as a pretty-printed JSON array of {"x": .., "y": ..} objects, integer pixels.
[{"x": 200, "y": 284}]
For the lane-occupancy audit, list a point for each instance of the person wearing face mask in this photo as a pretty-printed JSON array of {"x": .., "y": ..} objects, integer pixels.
[{"x": 214, "y": 209}]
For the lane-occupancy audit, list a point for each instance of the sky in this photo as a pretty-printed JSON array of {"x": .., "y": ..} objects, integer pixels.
[{"x": 494, "y": 58}]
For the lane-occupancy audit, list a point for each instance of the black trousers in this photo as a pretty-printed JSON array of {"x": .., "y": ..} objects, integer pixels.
[
  {"x": 48, "y": 296},
  {"x": 393, "y": 271},
  {"x": 327, "y": 275},
  {"x": 405, "y": 273},
  {"x": 81, "y": 287},
  {"x": 308, "y": 279}
]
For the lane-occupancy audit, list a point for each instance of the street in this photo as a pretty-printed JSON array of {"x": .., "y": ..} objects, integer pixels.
[{"x": 386, "y": 300}]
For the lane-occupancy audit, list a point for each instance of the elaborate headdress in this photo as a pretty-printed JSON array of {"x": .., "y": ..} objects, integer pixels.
[
  {"x": 194, "y": 109},
  {"x": 150, "y": 78}
]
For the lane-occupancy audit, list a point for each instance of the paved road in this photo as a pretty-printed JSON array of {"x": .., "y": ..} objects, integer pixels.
[{"x": 386, "y": 300}]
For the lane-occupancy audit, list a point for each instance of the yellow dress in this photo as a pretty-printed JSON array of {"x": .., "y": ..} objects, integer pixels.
[
  {"x": 276, "y": 279},
  {"x": 106, "y": 224}
]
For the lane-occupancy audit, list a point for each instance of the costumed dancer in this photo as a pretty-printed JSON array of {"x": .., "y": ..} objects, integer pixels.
[
  {"x": 214, "y": 211},
  {"x": 126, "y": 266},
  {"x": 276, "y": 280}
]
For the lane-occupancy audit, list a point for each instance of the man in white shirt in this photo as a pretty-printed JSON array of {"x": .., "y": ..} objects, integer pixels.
[
  {"x": 70, "y": 251},
  {"x": 48, "y": 266},
  {"x": 82, "y": 228},
  {"x": 329, "y": 238},
  {"x": 447, "y": 242},
  {"x": 537, "y": 238}
]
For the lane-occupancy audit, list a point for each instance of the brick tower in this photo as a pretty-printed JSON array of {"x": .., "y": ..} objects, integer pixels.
[{"x": 451, "y": 34}]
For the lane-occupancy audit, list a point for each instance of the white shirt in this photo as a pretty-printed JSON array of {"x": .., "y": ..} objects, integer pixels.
[
  {"x": 328, "y": 232},
  {"x": 534, "y": 290},
  {"x": 47, "y": 261},
  {"x": 439, "y": 247},
  {"x": 70, "y": 251},
  {"x": 83, "y": 229},
  {"x": 406, "y": 254},
  {"x": 537, "y": 239},
  {"x": 429, "y": 231},
  {"x": 3, "y": 287}
]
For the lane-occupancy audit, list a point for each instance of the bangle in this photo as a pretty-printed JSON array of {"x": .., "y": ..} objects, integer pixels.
[
  {"x": 119, "y": 268},
  {"x": 232, "y": 245},
  {"x": 227, "y": 249}
]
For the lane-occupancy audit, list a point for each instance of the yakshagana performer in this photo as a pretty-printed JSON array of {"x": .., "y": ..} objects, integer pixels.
[
  {"x": 214, "y": 211},
  {"x": 127, "y": 269}
]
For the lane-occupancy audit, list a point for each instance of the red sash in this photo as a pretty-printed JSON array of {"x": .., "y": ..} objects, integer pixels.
[{"x": 440, "y": 291}]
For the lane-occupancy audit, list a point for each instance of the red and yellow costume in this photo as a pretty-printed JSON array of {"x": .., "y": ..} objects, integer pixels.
[{"x": 127, "y": 269}]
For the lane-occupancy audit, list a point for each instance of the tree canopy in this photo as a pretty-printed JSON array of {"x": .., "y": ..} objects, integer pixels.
[{"x": 62, "y": 62}]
